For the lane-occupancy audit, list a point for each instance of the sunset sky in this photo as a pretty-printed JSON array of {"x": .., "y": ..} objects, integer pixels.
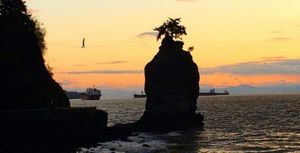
[{"x": 253, "y": 42}]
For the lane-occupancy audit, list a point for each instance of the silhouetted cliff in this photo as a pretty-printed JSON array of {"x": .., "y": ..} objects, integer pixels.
[{"x": 26, "y": 83}]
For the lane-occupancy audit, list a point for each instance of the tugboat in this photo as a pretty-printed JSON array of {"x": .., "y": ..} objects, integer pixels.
[
  {"x": 212, "y": 92},
  {"x": 91, "y": 94},
  {"x": 142, "y": 95}
]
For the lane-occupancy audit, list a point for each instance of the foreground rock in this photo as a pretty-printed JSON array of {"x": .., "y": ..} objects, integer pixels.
[{"x": 172, "y": 88}]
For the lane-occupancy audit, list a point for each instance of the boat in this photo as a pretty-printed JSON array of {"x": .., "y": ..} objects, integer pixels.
[
  {"x": 142, "y": 95},
  {"x": 212, "y": 92},
  {"x": 91, "y": 94}
]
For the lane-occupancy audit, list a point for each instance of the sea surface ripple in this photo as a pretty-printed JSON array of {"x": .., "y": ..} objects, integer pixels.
[{"x": 264, "y": 123}]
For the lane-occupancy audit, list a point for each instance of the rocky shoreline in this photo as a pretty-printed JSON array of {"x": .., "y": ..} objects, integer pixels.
[{"x": 66, "y": 129}]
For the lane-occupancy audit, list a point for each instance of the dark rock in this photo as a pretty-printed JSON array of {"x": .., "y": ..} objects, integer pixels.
[
  {"x": 172, "y": 88},
  {"x": 73, "y": 94},
  {"x": 54, "y": 122},
  {"x": 51, "y": 128},
  {"x": 26, "y": 82}
]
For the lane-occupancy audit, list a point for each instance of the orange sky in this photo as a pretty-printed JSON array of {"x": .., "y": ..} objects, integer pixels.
[{"x": 229, "y": 36}]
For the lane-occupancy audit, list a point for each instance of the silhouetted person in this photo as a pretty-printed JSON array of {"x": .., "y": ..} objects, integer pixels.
[{"x": 83, "y": 43}]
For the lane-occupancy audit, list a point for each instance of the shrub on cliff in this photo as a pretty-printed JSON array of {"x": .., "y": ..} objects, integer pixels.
[{"x": 171, "y": 28}]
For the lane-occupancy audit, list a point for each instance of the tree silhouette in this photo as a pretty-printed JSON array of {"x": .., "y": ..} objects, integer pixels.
[
  {"x": 18, "y": 23},
  {"x": 171, "y": 28},
  {"x": 25, "y": 80}
]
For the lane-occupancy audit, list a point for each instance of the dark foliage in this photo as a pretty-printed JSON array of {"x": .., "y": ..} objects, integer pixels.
[
  {"x": 25, "y": 80},
  {"x": 171, "y": 28}
]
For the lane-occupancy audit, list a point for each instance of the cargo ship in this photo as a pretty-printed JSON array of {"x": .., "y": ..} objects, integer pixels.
[{"x": 91, "y": 94}]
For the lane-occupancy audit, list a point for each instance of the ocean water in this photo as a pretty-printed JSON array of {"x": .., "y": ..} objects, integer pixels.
[{"x": 268, "y": 123}]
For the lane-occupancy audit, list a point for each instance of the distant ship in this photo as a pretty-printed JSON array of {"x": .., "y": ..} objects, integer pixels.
[
  {"x": 212, "y": 92},
  {"x": 91, "y": 94},
  {"x": 142, "y": 95}
]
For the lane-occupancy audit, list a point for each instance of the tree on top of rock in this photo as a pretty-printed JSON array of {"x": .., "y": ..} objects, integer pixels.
[{"x": 171, "y": 28}]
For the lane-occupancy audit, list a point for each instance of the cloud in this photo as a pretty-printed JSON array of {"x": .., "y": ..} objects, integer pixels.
[
  {"x": 268, "y": 66},
  {"x": 277, "y": 32},
  {"x": 187, "y": 0},
  {"x": 276, "y": 58},
  {"x": 112, "y": 62},
  {"x": 80, "y": 65},
  {"x": 105, "y": 72},
  {"x": 280, "y": 39},
  {"x": 147, "y": 34}
]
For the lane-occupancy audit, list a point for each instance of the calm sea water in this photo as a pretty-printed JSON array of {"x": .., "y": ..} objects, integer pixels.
[{"x": 232, "y": 124}]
